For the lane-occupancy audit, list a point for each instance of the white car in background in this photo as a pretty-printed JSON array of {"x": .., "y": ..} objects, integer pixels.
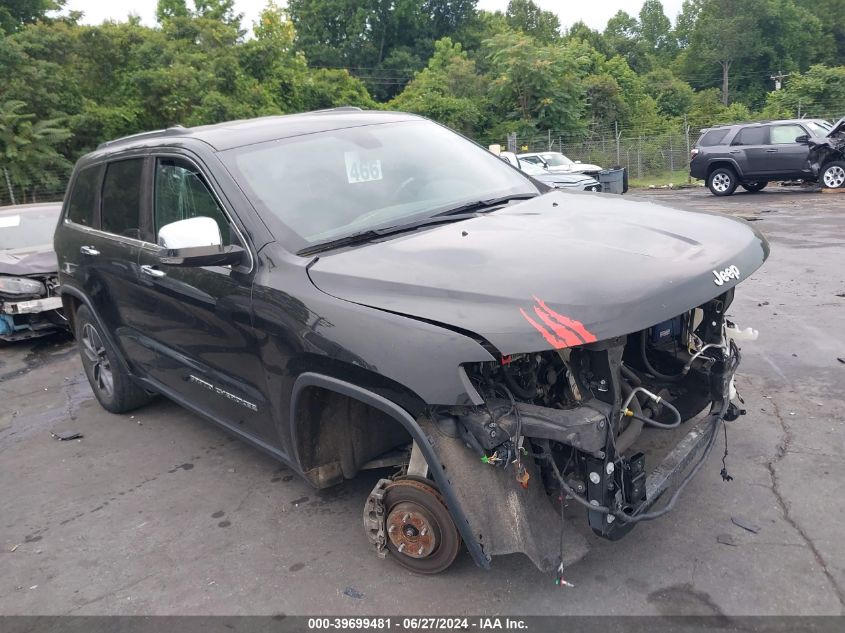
[
  {"x": 556, "y": 163},
  {"x": 578, "y": 181}
]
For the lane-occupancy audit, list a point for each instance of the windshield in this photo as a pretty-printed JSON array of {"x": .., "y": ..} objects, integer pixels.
[
  {"x": 27, "y": 227},
  {"x": 556, "y": 160},
  {"x": 328, "y": 185},
  {"x": 817, "y": 129},
  {"x": 532, "y": 169}
]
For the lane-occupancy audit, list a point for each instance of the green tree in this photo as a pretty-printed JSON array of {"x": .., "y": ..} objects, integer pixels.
[
  {"x": 673, "y": 96},
  {"x": 622, "y": 35},
  {"x": 526, "y": 16},
  {"x": 725, "y": 33},
  {"x": 533, "y": 87},
  {"x": 29, "y": 149},
  {"x": 382, "y": 41},
  {"x": 820, "y": 92},
  {"x": 448, "y": 90},
  {"x": 16, "y": 13},
  {"x": 655, "y": 29}
]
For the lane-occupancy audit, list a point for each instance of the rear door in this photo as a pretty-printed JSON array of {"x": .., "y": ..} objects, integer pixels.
[
  {"x": 750, "y": 149},
  {"x": 790, "y": 159},
  {"x": 102, "y": 248},
  {"x": 198, "y": 342}
]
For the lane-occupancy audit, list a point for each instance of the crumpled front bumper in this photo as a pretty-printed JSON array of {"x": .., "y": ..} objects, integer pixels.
[{"x": 29, "y": 318}]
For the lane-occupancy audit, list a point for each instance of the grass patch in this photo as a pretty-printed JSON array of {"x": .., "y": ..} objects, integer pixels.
[{"x": 675, "y": 178}]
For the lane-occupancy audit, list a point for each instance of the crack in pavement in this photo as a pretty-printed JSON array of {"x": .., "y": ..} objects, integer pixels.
[{"x": 782, "y": 450}]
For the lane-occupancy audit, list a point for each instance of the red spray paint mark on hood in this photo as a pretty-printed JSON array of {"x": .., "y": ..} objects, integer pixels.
[{"x": 559, "y": 331}]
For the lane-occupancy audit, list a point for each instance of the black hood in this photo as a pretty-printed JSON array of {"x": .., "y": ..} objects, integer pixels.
[
  {"x": 32, "y": 260},
  {"x": 551, "y": 272}
]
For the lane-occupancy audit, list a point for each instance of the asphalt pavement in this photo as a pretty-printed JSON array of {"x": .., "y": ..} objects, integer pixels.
[{"x": 160, "y": 512}]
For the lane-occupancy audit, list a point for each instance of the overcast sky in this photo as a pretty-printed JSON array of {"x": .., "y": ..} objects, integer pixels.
[{"x": 594, "y": 12}]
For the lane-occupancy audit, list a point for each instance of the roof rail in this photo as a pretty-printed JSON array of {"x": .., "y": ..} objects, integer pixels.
[
  {"x": 170, "y": 131},
  {"x": 346, "y": 108}
]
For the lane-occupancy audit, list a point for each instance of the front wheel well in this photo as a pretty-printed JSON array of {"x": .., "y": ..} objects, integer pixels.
[{"x": 335, "y": 434}]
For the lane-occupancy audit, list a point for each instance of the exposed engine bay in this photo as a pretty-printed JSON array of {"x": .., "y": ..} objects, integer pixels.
[{"x": 575, "y": 413}]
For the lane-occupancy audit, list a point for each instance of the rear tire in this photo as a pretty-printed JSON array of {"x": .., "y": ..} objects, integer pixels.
[
  {"x": 722, "y": 181},
  {"x": 754, "y": 187},
  {"x": 112, "y": 386},
  {"x": 833, "y": 175}
]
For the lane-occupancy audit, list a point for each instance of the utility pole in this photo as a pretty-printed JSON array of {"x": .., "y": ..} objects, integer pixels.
[
  {"x": 778, "y": 79},
  {"x": 9, "y": 185},
  {"x": 686, "y": 134},
  {"x": 617, "y": 135}
]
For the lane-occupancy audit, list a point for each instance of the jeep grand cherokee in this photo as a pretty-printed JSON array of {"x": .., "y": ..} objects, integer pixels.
[{"x": 320, "y": 287}]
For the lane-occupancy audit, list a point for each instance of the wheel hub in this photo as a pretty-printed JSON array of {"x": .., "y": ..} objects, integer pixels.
[
  {"x": 411, "y": 530},
  {"x": 834, "y": 177},
  {"x": 95, "y": 353}
]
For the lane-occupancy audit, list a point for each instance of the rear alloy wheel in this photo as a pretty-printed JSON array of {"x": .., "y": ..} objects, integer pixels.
[
  {"x": 111, "y": 384},
  {"x": 421, "y": 535},
  {"x": 722, "y": 181},
  {"x": 833, "y": 175},
  {"x": 754, "y": 187}
]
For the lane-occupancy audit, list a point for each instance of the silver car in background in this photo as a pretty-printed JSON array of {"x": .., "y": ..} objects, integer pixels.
[{"x": 30, "y": 305}]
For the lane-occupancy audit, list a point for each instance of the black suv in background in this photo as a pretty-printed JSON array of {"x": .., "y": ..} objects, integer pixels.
[
  {"x": 751, "y": 155},
  {"x": 320, "y": 287}
]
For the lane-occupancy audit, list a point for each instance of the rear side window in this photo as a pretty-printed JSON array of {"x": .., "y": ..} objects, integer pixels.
[
  {"x": 121, "y": 208},
  {"x": 713, "y": 137},
  {"x": 785, "y": 134},
  {"x": 752, "y": 136},
  {"x": 181, "y": 193},
  {"x": 80, "y": 206}
]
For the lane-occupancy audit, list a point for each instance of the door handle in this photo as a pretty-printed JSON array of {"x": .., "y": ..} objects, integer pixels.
[
  {"x": 89, "y": 250},
  {"x": 735, "y": 151},
  {"x": 771, "y": 151},
  {"x": 155, "y": 273}
]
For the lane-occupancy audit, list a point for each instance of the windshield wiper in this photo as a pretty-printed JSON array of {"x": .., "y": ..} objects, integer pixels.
[
  {"x": 462, "y": 212},
  {"x": 369, "y": 235},
  {"x": 486, "y": 205}
]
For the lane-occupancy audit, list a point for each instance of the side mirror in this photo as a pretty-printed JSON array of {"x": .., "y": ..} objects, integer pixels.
[
  {"x": 198, "y": 231},
  {"x": 803, "y": 139},
  {"x": 195, "y": 242}
]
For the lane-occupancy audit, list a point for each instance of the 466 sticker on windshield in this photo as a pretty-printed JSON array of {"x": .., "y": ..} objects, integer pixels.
[{"x": 361, "y": 169}]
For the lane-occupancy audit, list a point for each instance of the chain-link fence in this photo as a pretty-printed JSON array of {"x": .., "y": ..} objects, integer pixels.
[
  {"x": 660, "y": 156},
  {"x": 42, "y": 187}
]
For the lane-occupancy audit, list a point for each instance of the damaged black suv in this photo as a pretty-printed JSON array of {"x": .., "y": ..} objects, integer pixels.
[{"x": 322, "y": 287}]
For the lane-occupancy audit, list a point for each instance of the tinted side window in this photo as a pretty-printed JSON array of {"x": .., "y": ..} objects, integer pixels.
[
  {"x": 80, "y": 206},
  {"x": 752, "y": 136},
  {"x": 713, "y": 137},
  {"x": 181, "y": 193},
  {"x": 121, "y": 208},
  {"x": 783, "y": 134}
]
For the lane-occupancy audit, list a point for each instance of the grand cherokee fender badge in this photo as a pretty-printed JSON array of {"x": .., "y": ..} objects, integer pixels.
[
  {"x": 723, "y": 276},
  {"x": 558, "y": 330}
]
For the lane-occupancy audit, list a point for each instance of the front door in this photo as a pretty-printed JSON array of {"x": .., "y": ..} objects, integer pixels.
[
  {"x": 791, "y": 158},
  {"x": 197, "y": 320}
]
